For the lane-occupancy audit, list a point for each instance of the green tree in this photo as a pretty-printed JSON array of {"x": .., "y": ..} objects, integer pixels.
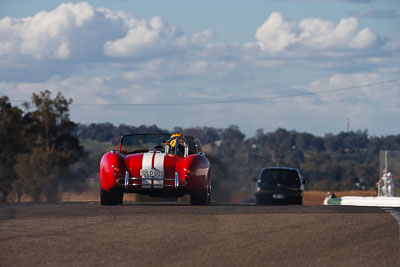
[
  {"x": 39, "y": 174},
  {"x": 10, "y": 142},
  {"x": 54, "y": 148}
]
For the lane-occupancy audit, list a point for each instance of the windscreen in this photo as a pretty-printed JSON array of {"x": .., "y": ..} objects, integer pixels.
[
  {"x": 284, "y": 177},
  {"x": 139, "y": 143}
]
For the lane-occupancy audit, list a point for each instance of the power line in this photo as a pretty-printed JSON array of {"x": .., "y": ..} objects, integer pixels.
[{"x": 239, "y": 100}]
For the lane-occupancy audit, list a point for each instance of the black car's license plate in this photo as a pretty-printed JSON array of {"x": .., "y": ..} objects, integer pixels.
[{"x": 278, "y": 196}]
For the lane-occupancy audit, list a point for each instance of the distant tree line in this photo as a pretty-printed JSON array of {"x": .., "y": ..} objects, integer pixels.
[
  {"x": 106, "y": 132},
  {"x": 42, "y": 152}
]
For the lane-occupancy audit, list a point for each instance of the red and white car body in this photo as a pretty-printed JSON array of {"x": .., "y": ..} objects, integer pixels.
[{"x": 156, "y": 165}]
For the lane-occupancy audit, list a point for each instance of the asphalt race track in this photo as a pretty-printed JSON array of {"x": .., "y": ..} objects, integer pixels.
[{"x": 171, "y": 234}]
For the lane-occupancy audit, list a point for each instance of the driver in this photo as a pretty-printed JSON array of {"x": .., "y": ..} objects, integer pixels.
[{"x": 177, "y": 140}]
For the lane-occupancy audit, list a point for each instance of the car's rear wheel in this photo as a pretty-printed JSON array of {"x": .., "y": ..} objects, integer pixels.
[
  {"x": 203, "y": 198},
  {"x": 298, "y": 201},
  {"x": 113, "y": 197},
  {"x": 209, "y": 195},
  {"x": 197, "y": 198},
  {"x": 263, "y": 201}
]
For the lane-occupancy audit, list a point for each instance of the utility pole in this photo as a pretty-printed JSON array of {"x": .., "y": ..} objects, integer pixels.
[
  {"x": 348, "y": 124},
  {"x": 386, "y": 160}
]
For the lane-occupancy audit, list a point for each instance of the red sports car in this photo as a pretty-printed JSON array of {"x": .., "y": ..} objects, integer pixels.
[{"x": 157, "y": 165}]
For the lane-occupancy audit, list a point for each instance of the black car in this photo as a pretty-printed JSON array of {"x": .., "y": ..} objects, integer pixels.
[{"x": 279, "y": 185}]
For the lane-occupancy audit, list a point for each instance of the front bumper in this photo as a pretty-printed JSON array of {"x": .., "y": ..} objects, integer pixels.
[{"x": 151, "y": 182}]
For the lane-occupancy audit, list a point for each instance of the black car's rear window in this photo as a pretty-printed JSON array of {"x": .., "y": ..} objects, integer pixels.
[{"x": 285, "y": 177}]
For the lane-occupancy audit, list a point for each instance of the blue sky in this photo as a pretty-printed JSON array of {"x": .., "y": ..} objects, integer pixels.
[{"x": 101, "y": 53}]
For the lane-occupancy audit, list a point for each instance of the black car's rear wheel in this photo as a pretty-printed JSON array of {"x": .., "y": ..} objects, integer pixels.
[
  {"x": 112, "y": 197},
  {"x": 263, "y": 202},
  {"x": 298, "y": 201}
]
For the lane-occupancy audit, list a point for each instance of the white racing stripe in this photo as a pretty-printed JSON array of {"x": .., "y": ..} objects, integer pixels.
[
  {"x": 159, "y": 165},
  {"x": 146, "y": 165}
]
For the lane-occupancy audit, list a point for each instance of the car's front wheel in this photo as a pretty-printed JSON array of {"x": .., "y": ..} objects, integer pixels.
[{"x": 113, "y": 197}]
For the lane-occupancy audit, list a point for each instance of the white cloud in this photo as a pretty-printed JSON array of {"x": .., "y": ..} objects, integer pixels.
[
  {"x": 205, "y": 37},
  {"x": 278, "y": 35},
  {"x": 275, "y": 34},
  {"x": 392, "y": 45},
  {"x": 80, "y": 33},
  {"x": 364, "y": 39},
  {"x": 368, "y": 107},
  {"x": 144, "y": 38},
  {"x": 374, "y": 13},
  {"x": 355, "y": 92},
  {"x": 75, "y": 30},
  {"x": 45, "y": 35},
  {"x": 93, "y": 90}
]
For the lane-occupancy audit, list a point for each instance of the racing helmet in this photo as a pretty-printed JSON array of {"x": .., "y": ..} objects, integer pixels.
[
  {"x": 177, "y": 145},
  {"x": 174, "y": 139}
]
